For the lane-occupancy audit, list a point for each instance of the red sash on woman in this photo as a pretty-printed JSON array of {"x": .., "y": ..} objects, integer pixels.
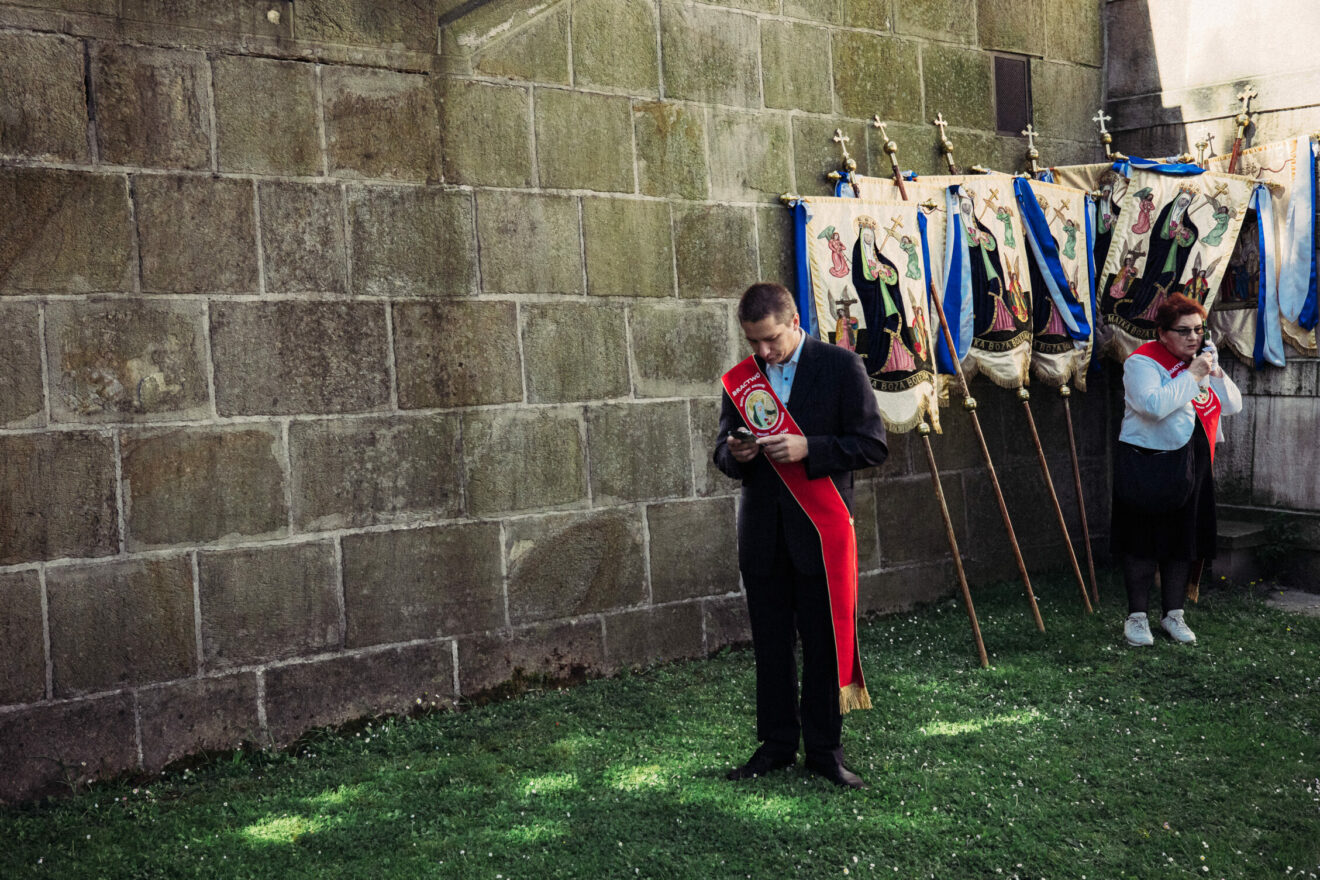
[
  {"x": 1206, "y": 403},
  {"x": 820, "y": 500}
]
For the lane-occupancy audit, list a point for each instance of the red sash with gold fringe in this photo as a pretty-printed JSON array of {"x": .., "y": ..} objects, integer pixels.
[
  {"x": 820, "y": 500},
  {"x": 1206, "y": 403}
]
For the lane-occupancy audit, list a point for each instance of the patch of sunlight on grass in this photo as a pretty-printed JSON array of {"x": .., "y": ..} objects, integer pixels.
[
  {"x": 282, "y": 829},
  {"x": 958, "y": 728},
  {"x": 549, "y": 783},
  {"x": 637, "y": 778},
  {"x": 537, "y": 832},
  {"x": 770, "y": 806},
  {"x": 335, "y": 797}
]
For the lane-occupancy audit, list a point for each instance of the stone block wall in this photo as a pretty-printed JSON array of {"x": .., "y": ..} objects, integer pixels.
[{"x": 359, "y": 356}]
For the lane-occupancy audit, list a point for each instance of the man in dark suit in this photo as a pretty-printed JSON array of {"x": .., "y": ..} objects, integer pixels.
[{"x": 826, "y": 390}]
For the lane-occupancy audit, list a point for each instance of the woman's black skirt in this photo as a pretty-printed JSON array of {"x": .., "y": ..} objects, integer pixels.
[{"x": 1185, "y": 533}]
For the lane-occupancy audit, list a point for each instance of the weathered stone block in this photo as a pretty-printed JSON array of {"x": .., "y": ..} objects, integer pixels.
[
  {"x": 775, "y": 248},
  {"x": 616, "y": 264},
  {"x": 1064, "y": 96},
  {"x": 716, "y": 250},
  {"x": 142, "y": 614},
  {"x": 566, "y": 565},
  {"x": 750, "y": 157},
  {"x": 726, "y": 622},
  {"x": 705, "y": 416},
  {"x": 1285, "y": 474},
  {"x": 22, "y": 645},
  {"x": 303, "y": 240},
  {"x": 816, "y": 154},
  {"x": 946, "y": 20},
  {"x": 64, "y": 232},
  {"x": 301, "y": 696},
  {"x": 575, "y": 351},
  {"x": 959, "y": 84},
  {"x": 1012, "y": 25},
  {"x": 299, "y": 357},
  {"x": 614, "y": 46},
  {"x": 276, "y": 134},
  {"x": 212, "y": 16},
  {"x": 22, "y": 400},
  {"x": 126, "y": 359},
  {"x": 1235, "y": 457},
  {"x": 638, "y": 638},
  {"x": 1074, "y": 32},
  {"x": 207, "y": 714},
  {"x": 411, "y": 242},
  {"x": 88, "y": 739},
  {"x": 456, "y": 354},
  {"x": 487, "y": 133},
  {"x": 694, "y": 549},
  {"x": 95, "y": 7},
  {"x": 43, "y": 103},
  {"x": 680, "y": 351},
  {"x": 267, "y": 603},
  {"x": 830, "y": 11},
  {"x": 57, "y": 496},
  {"x": 908, "y": 516},
  {"x": 864, "y": 525},
  {"x": 522, "y": 460},
  {"x": 153, "y": 106},
  {"x": 1133, "y": 67},
  {"x": 361, "y": 471},
  {"x": 566, "y": 652},
  {"x": 189, "y": 486},
  {"x": 671, "y": 149},
  {"x": 196, "y": 235},
  {"x": 538, "y": 52},
  {"x": 869, "y": 14},
  {"x": 529, "y": 243},
  {"x": 422, "y": 583},
  {"x": 408, "y": 25},
  {"x": 380, "y": 124},
  {"x": 875, "y": 74},
  {"x": 710, "y": 55},
  {"x": 794, "y": 69},
  {"x": 633, "y": 456},
  {"x": 770, "y": 6},
  {"x": 584, "y": 141},
  {"x": 902, "y": 589}
]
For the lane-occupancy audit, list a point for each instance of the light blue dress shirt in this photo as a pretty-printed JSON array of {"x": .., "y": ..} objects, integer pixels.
[{"x": 781, "y": 375}]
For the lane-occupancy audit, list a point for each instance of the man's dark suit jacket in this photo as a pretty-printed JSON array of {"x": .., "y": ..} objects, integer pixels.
[{"x": 832, "y": 402}]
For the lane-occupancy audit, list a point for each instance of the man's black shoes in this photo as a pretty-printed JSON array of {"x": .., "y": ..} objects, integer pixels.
[
  {"x": 836, "y": 773},
  {"x": 761, "y": 763}
]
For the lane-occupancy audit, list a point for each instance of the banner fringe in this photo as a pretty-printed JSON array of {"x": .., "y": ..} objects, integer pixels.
[{"x": 854, "y": 696}]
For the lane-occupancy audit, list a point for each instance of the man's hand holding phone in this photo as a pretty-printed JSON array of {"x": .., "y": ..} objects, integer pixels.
[{"x": 742, "y": 443}]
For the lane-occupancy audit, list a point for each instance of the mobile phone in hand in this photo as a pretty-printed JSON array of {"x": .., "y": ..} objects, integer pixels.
[{"x": 743, "y": 435}]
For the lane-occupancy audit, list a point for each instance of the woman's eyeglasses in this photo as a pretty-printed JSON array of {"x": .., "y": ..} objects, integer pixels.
[{"x": 1186, "y": 332}]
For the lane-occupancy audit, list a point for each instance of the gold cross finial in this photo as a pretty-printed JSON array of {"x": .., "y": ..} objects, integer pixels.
[
  {"x": 939, "y": 123},
  {"x": 842, "y": 140},
  {"x": 1101, "y": 118},
  {"x": 1030, "y": 134},
  {"x": 945, "y": 144},
  {"x": 1245, "y": 97}
]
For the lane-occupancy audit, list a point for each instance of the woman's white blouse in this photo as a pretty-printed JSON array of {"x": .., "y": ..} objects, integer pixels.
[{"x": 1157, "y": 408}]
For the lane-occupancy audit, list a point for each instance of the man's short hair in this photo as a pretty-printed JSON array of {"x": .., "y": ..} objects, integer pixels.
[{"x": 766, "y": 299}]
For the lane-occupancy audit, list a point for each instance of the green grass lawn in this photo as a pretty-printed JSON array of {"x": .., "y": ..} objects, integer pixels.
[{"x": 1072, "y": 756}]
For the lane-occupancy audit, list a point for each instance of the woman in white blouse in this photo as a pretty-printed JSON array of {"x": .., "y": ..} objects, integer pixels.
[{"x": 1174, "y": 393}]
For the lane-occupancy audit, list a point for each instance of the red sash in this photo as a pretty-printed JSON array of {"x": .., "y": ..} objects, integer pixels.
[
  {"x": 765, "y": 415},
  {"x": 1206, "y": 403}
]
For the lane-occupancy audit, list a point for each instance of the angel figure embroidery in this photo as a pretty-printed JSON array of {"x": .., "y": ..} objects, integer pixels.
[
  {"x": 1146, "y": 197},
  {"x": 914, "y": 260},
  {"x": 840, "y": 268},
  {"x": 1222, "y": 215},
  {"x": 1198, "y": 287}
]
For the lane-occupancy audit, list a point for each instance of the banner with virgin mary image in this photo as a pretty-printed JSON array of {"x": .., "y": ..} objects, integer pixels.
[
  {"x": 864, "y": 270},
  {"x": 1287, "y": 168},
  {"x": 1175, "y": 232}
]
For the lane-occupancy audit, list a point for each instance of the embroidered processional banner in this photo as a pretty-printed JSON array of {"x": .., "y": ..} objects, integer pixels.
[
  {"x": 1174, "y": 233},
  {"x": 1287, "y": 168},
  {"x": 867, "y": 282},
  {"x": 949, "y": 258},
  {"x": 1108, "y": 181},
  {"x": 999, "y": 275},
  {"x": 1056, "y": 220}
]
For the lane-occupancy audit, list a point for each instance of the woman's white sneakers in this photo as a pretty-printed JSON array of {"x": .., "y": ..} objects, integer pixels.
[
  {"x": 1177, "y": 630},
  {"x": 1136, "y": 629}
]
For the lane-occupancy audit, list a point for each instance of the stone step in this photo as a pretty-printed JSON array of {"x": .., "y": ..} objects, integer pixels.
[{"x": 1239, "y": 535}]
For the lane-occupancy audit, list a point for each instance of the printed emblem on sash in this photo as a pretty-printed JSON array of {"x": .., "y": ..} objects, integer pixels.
[
  {"x": 1203, "y": 397},
  {"x": 761, "y": 410}
]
